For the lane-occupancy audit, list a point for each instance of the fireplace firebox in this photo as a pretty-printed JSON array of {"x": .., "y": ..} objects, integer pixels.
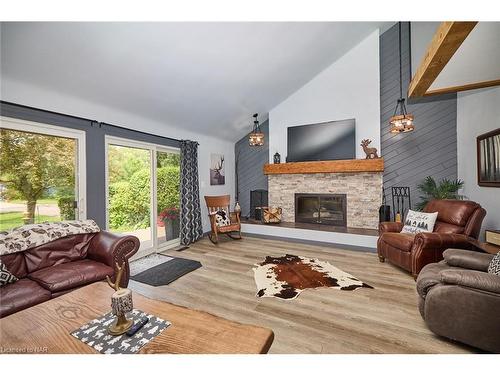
[{"x": 328, "y": 209}]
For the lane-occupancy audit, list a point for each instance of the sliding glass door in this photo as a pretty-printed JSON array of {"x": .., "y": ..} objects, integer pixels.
[
  {"x": 42, "y": 173},
  {"x": 129, "y": 192},
  {"x": 143, "y": 192}
]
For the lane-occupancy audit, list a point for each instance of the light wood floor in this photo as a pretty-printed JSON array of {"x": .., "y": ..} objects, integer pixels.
[{"x": 380, "y": 320}]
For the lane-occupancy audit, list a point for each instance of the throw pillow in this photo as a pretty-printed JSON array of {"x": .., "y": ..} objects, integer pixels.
[
  {"x": 222, "y": 218},
  {"x": 494, "y": 267},
  {"x": 5, "y": 276},
  {"x": 417, "y": 222}
]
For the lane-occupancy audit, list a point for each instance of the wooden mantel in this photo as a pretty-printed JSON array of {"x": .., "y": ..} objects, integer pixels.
[{"x": 332, "y": 166}]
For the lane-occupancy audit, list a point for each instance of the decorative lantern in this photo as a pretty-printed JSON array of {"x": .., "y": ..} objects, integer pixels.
[
  {"x": 401, "y": 122},
  {"x": 256, "y": 137},
  {"x": 277, "y": 158}
]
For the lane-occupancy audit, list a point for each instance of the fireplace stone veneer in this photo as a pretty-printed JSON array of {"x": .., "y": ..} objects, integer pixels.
[{"x": 363, "y": 191}]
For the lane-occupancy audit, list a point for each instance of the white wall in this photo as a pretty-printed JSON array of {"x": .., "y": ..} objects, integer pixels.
[
  {"x": 478, "y": 112},
  {"x": 349, "y": 88},
  {"x": 421, "y": 36},
  {"x": 26, "y": 94}
]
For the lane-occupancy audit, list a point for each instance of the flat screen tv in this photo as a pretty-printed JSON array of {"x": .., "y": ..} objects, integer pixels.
[{"x": 333, "y": 140}]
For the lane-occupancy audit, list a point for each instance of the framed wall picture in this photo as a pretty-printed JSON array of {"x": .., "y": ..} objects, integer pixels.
[
  {"x": 217, "y": 174},
  {"x": 488, "y": 159}
]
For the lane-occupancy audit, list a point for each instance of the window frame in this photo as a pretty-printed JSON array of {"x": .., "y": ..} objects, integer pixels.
[{"x": 59, "y": 131}]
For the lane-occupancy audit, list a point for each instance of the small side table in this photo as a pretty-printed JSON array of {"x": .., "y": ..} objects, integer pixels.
[{"x": 484, "y": 246}]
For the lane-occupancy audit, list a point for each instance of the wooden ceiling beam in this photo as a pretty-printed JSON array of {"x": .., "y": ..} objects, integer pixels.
[
  {"x": 447, "y": 39},
  {"x": 470, "y": 86}
]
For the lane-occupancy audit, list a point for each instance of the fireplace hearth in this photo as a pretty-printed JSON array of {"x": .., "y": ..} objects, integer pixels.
[{"x": 327, "y": 209}]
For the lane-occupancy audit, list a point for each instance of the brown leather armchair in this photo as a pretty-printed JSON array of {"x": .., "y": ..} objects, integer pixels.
[
  {"x": 457, "y": 221},
  {"x": 460, "y": 300}
]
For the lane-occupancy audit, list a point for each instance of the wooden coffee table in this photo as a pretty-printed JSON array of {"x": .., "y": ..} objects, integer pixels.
[{"x": 45, "y": 328}]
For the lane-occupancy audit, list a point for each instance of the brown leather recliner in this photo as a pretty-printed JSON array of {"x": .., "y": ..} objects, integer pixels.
[
  {"x": 460, "y": 300},
  {"x": 60, "y": 266},
  {"x": 457, "y": 221}
]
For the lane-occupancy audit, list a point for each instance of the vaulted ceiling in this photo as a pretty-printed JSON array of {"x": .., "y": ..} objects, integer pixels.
[{"x": 205, "y": 77}]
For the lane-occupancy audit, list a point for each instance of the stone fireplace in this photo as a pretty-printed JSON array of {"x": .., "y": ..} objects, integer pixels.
[
  {"x": 362, "y": 192},
  {"x": 328, "y": 209}
]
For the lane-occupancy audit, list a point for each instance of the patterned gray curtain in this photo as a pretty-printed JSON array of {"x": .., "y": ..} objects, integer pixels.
[{"x": 191, "y": 227}]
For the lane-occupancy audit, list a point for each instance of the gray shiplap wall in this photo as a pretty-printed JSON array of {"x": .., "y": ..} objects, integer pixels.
[
  {"x": 431, "y": 149},
  {"x": 250, "y": 161}
]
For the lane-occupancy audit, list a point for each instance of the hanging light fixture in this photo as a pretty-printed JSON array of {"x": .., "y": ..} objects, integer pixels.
[
  {"x": 256, "y": 137},
  {"x": 401, "y": 121}
]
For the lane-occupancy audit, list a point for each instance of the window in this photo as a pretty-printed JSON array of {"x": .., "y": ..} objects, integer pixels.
[{"x": 42, "y": 173}]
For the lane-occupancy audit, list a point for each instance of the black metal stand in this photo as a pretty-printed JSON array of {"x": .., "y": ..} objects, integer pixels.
[{"x": 401, "y": 200}]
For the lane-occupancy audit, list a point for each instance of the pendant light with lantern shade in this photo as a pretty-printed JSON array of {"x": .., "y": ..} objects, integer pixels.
[
  {"x": 256, "y": 136},
  {"x": 401, "y": 121}
]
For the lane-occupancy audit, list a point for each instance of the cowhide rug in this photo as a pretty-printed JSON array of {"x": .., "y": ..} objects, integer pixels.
[{"x": 285, "y": 277}]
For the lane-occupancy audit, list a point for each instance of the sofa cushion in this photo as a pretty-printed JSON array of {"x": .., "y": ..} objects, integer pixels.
[
  {"x": 472, "y": 260},
  {"x": 61, "y": 292},
  {"x": 62, "y": 250},
  {"x": 442, "y": 227},
  {"x": 16, "y": 264},
  {"x": 21, "y": 295},
  {"x": 70, "y": 275},
  {"x": 452, "y": 211},
  {"x": 402, "y": 241}
]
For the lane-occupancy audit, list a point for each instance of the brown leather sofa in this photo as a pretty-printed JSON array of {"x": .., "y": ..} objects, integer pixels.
[
  {"x": 60, "y": 266},
  {"x": 459, "y": 300},
  {"x": 457, "y": 220}
]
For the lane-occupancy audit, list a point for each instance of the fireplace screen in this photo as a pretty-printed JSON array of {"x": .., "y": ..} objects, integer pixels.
[{"x": 329, "y": 209}]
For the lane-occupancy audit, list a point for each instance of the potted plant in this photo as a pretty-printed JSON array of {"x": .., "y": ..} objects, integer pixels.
[
  {"x": 445, "y": 189},
  {"x": 169, "y": 217}
]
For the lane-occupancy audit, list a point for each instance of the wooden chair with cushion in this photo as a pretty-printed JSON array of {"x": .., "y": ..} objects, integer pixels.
[{"x": 215, "y": 205}]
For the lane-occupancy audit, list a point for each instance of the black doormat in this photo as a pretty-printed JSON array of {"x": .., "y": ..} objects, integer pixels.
[{"x": 166, "y": 272}]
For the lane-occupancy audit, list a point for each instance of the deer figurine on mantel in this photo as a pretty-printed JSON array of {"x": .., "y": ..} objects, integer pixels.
[{"x": 371, "y": 152}]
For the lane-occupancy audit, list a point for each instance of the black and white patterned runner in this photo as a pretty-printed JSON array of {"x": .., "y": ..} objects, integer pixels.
[{"x": 95, "y": 334}]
